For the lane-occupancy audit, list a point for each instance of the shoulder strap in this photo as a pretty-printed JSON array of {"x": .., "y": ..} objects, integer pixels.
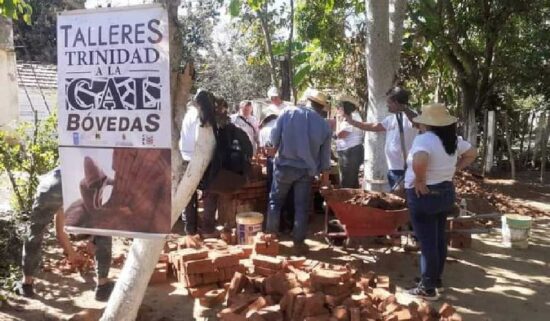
[
  {"x": 399, "y": 117},
  {"x": 248, "y": 123}
]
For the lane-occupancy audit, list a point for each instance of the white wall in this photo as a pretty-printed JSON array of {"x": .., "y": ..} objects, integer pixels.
[{"x": 9, "y": 105}]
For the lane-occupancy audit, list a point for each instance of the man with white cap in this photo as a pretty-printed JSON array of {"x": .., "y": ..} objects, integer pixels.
[
  {"x": 277, "y": 104},
  {"x": 302, "y": 139}
]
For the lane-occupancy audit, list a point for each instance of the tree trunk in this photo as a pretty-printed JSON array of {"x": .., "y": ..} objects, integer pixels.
[
  {"x": 130, "y": 288},
  {"x": 539, "y": 137},
  {"x": 289, "y": 52},
  {"x": 468, "y": 101},
  {"x": 524, "y": 129},
  {"x": 382, "y": 56},
  {"x": 485, "y": 140},
  {"x": 528, "y": 152},
  {"x": 490, "y": 148},
  {"x": 544, "y": 148},
  {"x": 508, "y": 132},
  {"x": 268, "y": 46}
]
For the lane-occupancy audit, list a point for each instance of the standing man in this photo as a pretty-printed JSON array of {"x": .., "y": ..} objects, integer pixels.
[
  {"x": 277, "y": 104},
  {"x": 247, "y": 122},
  {"x": 48, "y": 202},
  {"x": 302, "y": 139},
  {"x": 398, "y": 105}
]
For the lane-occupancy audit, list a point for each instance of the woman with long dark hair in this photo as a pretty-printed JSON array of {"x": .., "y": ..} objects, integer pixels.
[
  {"x": 436, "y": 154},
  {"x": 349, "y": 142}
]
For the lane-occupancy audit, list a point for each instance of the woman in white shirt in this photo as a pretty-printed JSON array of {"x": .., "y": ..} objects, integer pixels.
[
  {"x": 431, "y": 164},
  {"x": 349, "y": 142}
]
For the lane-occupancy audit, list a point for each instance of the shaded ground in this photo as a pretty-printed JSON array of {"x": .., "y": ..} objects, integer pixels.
[{"x": 487, "y": 282}]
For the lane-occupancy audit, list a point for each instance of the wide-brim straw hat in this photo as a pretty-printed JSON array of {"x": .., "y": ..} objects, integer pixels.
[
  {"x": 435, "y": 114},
  {"x": 349, "y": 99},
  {"x": 318, "y": 97}
]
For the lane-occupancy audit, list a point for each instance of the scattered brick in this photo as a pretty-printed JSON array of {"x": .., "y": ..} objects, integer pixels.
[
  {"x": 199, "y": 266},
  {"x": 446, "y": 310},
  {"x": 267, "y": 262}
]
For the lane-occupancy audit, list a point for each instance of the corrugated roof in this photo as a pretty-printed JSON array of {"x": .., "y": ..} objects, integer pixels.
[{"x": 36, "y": 75}]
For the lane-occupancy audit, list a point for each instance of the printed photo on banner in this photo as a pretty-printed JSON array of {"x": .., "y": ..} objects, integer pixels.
[
  {"x": 120, "y": 189},
  {"x": 114, "y": 120}
]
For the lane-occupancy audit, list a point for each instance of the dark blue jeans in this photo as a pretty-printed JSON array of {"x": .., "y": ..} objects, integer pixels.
[
  {"x": 287, "y": 211},
  {"x": 349, "y": 161},
  {"x": 394, "y": 175},
  {"x": 284, "y": 178},
  {"x": 429, "y": 216}
]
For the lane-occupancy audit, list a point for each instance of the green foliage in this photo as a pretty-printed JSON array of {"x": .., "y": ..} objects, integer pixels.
[
  {"x": 25, "y": 154},
  {"x": 38, "y": 42},
  {"x": 15, "y": 9}
]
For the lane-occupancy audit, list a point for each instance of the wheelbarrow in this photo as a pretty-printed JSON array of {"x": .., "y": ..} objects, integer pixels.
[{"x": 361, "y": 221}]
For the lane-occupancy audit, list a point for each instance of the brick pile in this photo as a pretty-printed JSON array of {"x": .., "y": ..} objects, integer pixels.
[
  {"x": 300, "y": 289},
  {"x": 253, "y": 283}
]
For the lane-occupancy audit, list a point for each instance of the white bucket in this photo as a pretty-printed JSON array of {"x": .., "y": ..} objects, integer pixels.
[
  {"x": 248, "y": 224},
  {"x": 516, "y": 230}
]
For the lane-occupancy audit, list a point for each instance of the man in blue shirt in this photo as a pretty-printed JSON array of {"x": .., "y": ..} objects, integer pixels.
[{"x": 301, "y": 138}]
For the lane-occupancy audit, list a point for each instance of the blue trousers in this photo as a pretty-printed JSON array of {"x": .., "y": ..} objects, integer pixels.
[
  {"x": 429, "y": 216},
  {"x": 284, "y": 178},
  {"x": 287, "y": 211}
]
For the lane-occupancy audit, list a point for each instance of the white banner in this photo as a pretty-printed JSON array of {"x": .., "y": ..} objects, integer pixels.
[
  {"x": 113, "y": 77},
  {"x": 115, "y": 120}
]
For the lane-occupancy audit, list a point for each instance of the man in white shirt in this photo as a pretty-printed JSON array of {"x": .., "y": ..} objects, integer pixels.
[
  {"x": 189, "y": 130},
  {"x": 277, "y": 104},
  {"x": 398, "y": 101},
  {"x": 247, "y": 122}
]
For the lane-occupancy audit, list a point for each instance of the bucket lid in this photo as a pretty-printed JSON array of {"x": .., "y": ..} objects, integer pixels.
[
  {"x": 249, "y": 218},
  {"x": 517, "y": 217}
]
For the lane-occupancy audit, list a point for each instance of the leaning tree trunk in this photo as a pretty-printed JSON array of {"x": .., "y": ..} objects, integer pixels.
[
  {"x": 382, "y": 56},
  {"x": 130, "y": 288}
]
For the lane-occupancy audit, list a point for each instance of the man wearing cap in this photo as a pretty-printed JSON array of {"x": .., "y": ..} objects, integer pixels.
[
  {"x": 277, "y": 104},
  {"x": 396, "y": 142},
  {"x": 349, "y": 142},
  {"x": 302, "y": 139}
]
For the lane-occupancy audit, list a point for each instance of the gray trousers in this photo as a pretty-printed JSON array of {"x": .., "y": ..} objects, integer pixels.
[
  {"x": 48, "y": 201},
  {"x": 349, "y": 161}
]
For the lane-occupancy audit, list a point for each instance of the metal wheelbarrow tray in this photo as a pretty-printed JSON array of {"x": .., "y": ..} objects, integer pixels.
[{"x": 360, "y": 220}]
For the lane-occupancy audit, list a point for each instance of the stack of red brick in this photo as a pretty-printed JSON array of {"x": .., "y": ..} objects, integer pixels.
[
  {"x": 266, "y": 244},
  {"x": 307, "y": 290}
]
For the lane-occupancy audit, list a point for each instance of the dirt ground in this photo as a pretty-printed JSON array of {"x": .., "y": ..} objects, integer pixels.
[{"x": 486, "y": 282}]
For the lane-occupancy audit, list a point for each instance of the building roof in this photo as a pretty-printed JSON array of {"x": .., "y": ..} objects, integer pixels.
[{"x": 34, "y": 75}]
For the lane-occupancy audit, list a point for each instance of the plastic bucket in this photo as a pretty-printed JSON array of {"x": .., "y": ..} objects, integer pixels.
[
  {"x": 515, "y": 230},
  {"x": 248, "y": 224}
]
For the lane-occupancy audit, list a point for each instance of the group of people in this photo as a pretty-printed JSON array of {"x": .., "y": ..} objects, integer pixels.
[{"x": 423, "y": 152}]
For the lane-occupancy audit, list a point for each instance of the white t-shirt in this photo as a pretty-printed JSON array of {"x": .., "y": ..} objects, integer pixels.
[
  {"x": 441, "y": 166},
  {"x": 189, "y": 131},
  {"x": 274, "y": 109},
  {"x": 394, "y": 155},
  {"x": 251, "y": 131},
  {"x": 265, "y": 133},
  {"x": 355, "y": 136}
]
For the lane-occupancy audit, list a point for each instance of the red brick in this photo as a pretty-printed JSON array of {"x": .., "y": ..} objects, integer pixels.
[
  {"x": 446, "y": 310},
  {"x": 197, "y": 292},
  {"x": 222, "y": 260},
  {"x": 322, "y": 317},
  {"x": 189, "y": 254},
  {"x": 212, "y": 298},
  {"x": 247, "y": 250},
  {"x": 333, "y": 301},
  {"x": 325, "y": 276},
  {"x": 298, "y": 307},
  {"x": 159, "y": 276},
  {"x": 269, "y": 313},
  {"x": 340, "y": 313},
  {"x": 210, "y": 277},
  {"x": 267, "y": 262},
  {"x": 238, "y": 282},
  {"x": 199, "y": 266},
  {"x": 256, "y": 305},
  {"x": 314, "y": 305},
  {"x": 264, "y": 271},
  {"x": 191, "y": 280},
  {"x": 276, "y": 284},
  {"x": 296, "y": 262},
  {"x": 404, "y": 315},
  {"x": 164, "y": 258},
  {"x": 231, "y": 316},
  {"x": 288, "y": 300}
]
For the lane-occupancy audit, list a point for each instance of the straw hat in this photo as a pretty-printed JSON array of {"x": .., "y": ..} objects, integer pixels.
[
  {"x": 349, "y": 99},
  {"x": 318, "y": 97},
  {"x": 435, "y": 114}
]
